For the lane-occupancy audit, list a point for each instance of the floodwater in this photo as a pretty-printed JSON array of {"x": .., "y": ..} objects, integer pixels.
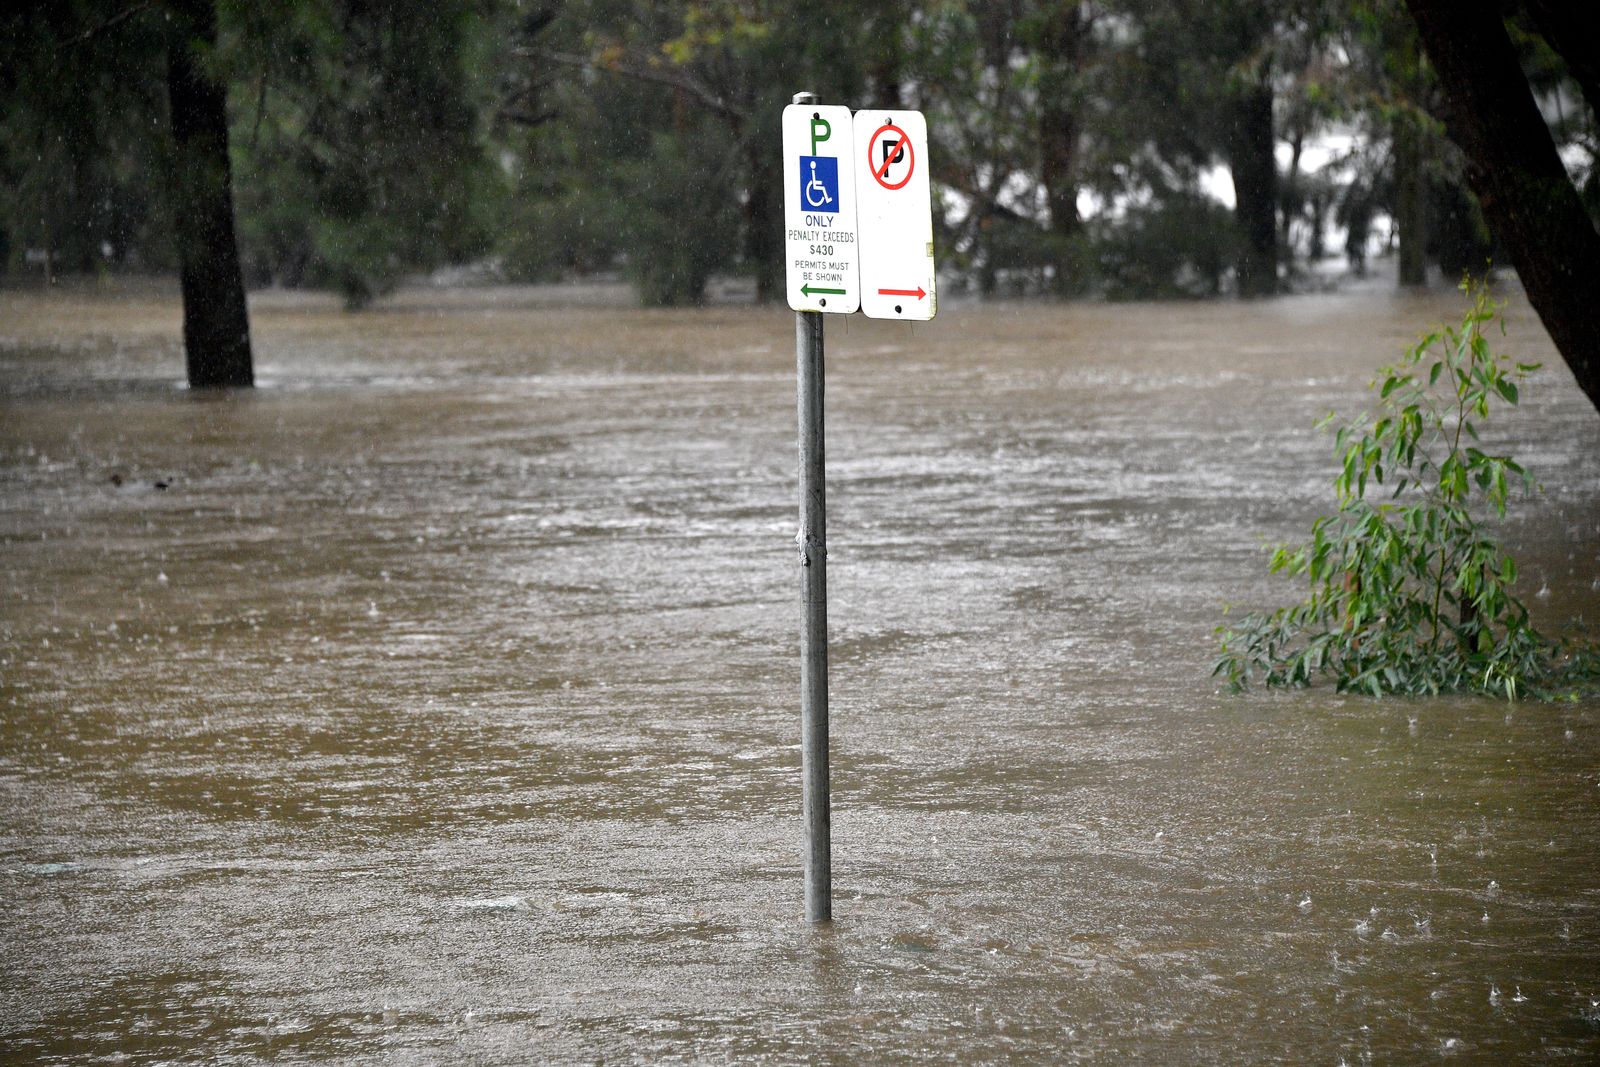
[{"x": 437, "y": 701}]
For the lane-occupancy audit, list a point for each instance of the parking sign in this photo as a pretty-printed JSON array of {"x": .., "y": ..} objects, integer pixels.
[{"x": 821, "y": 251}]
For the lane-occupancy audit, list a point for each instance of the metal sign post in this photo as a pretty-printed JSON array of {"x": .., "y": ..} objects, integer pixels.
[
  {"x": 814, "y": 625},
  {"x": 814, "y": 604},
  {"x": 858, "y": 234}
]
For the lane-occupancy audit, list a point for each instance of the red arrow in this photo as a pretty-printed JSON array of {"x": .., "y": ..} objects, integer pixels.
[{"x": 918, "y": 292}]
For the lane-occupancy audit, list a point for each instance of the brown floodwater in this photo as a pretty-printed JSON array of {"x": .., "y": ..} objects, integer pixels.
[{"x": 437, "y": 701}]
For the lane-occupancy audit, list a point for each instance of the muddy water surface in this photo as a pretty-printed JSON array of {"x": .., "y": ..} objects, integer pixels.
[{"x": 437, "y": 700}]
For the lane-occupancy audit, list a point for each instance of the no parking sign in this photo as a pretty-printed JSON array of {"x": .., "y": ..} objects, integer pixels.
[{"x": 894, "y": 215}]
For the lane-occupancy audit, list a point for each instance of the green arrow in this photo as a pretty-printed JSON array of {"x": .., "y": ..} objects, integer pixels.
[{"x": 809, "y": 289}]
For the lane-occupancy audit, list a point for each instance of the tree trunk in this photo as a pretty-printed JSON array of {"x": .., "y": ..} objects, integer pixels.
[
  {"x": 1061, "y": 47},
  {"x": 1573, "y": 30},
  {"x": 1255, "y": 189},
  {"x": 995, "y": 25},
  {"x": 1289, "y": 198},
  {"x": 49, "y": 246},
  {"x": 1317, "y": 248},
  {"x": 1410, "y": 208},
  {"x": 1058, "y": 145},
  {"x": 216, "y": 329},
  {"x": 1513, "y": 168},
  {"x": 988, "y": 273},
  {"x": 886, "y": 65},
  {"x": 763, "y": 247}
]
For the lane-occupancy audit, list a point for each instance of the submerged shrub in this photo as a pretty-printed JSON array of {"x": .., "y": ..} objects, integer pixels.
[{"x": 1409, "y": 591}]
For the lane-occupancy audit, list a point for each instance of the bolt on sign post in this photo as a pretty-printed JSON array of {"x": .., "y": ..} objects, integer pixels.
[{"x": 895, "y": 215}]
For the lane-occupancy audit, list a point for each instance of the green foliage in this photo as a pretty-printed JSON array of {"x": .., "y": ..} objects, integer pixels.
[
  {"x": 1409, "y": 591},
  {"x": 365, "y": 154},
  {"x": 372, "y": 140},
  {"x": 681, "y": 233},
  {"x": 1179, "y": 245},
  {"x": 82, "y": 139}
]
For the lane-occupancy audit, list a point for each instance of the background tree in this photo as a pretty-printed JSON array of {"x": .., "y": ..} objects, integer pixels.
[
  {"x": 1062, "y": 33},
  {"x": 1079, "y": 146},
  {"x": 983, "y": 135},
  {"x": 1527, "y": 195},
  {"x": 686, "y": 99},
  {"x": 216, "y": 325},
  {"x": 1413, "y": 171},
  {"x": 368, "y": 153},
  {"x": 116, "y": 138},
  {"x": 83, "y": 133},
  {"x": 1206, "y": 73}
]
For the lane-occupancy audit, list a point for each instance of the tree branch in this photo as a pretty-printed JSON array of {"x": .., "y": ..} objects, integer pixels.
[
  {"x": 646, "y": 71},
  {"x": 520, "y": 117},
  {"x": 111, "y": 23},
  {"x": 1512, "y": 166}
]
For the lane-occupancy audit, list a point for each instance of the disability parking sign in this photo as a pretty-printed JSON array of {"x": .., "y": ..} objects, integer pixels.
[{"x": 821, "y": 248}]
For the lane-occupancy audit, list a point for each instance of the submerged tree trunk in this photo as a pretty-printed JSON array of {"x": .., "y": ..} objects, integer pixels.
[
  {"x": 216, "y": 329},
  {"x": 995, "y": 29},
  {"x": 763, "y": 246},
  {"x": 1255, "y": 188},
  {"x": 1290, "y": 202},
  {"x": 1058, "y": 143},
  {"x": 45, "y": 235},
  {"x": 1410, "y": 207},
  {"x": 988, "y": 273},
  {"x": 1513, "y": 168}
]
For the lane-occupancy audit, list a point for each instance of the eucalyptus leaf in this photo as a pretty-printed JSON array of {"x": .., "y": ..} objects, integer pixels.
[{"x": 1412, "y": 594}]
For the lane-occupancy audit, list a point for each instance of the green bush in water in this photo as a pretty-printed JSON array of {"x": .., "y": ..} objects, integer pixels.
[{"x": 1409, "y": 592}]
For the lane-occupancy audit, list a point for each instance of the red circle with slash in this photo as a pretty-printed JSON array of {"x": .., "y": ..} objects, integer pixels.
[{"x": 903, "y": 148}]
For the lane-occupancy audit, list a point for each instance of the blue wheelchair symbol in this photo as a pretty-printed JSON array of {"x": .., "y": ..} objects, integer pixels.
[{"x": 819, "y": 183}]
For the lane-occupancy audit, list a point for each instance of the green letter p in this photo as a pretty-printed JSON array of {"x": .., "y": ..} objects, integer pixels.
[{"x": 827, "y": 132}]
